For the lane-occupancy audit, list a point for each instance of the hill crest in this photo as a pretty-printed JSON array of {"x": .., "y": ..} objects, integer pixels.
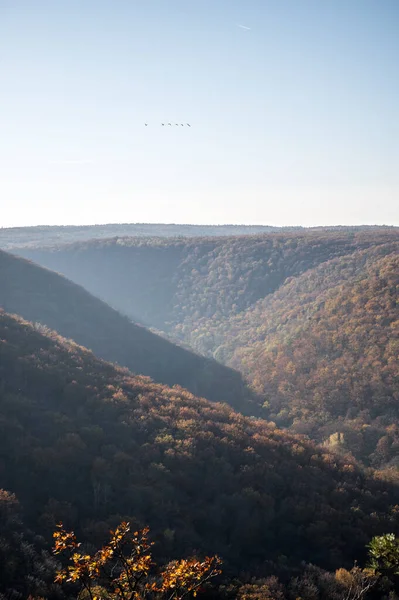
[{"x": 43, "y": 296}]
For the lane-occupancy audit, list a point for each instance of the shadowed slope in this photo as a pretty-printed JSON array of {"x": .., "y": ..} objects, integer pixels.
[
  {"x": 86, "y": 442},
  {"x": 309, "y": 319},
  {"x": 40, "y": 295},
  {"x": 174, "y": 284}
]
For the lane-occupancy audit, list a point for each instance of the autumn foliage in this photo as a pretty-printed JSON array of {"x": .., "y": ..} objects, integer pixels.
[
  {"x": 309, "y": 318},
  {"x": 306, "y": 325},
  {"x": 123, "y": 568}
]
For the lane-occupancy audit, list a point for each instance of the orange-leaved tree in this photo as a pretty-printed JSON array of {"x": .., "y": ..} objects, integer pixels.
[{"x": 123, "y": 569}]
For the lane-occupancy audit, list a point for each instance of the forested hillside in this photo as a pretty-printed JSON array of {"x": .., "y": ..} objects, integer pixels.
[
  {"x": 26, "y": 564},
  {"x": 173, "y": 284},
  {"x": 30, "y": 237},
  {"x": 323, "y": 352},
  {"x": 45, "y": 297},
  {"x": 310, "y": 319},
  {"x": 50, "y": 235},
  {"x": 89, "y": 444}
]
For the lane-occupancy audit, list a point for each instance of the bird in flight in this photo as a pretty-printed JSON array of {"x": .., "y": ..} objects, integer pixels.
[{"x": 170, "y": 124}]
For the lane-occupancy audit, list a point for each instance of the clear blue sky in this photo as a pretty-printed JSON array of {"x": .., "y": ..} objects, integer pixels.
[{"x": 295, "y": 118}]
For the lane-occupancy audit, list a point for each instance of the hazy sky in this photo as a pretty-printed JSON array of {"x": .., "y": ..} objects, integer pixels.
[{"x": 293, "y": 105}]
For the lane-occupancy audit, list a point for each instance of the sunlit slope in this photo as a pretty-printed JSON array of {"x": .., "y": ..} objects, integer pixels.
[
  {"x": 43, "y": 296},
  {"x": 308, "y": 319},
  {"x": 174, "y": 284},
  {"x": 88, "y": 443},
  {"x": 323, "y": 351}
]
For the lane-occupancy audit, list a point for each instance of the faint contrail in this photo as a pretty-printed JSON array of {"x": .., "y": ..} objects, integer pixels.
[
  {"x": 72, "y": 162},
  {"x": 244, "y": 27}
]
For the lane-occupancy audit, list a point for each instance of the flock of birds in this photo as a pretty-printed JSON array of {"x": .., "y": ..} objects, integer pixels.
[{"x": 171, "y": 124}]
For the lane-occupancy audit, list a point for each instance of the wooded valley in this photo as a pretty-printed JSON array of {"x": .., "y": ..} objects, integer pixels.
[
  {"x": 238, "y": 395},
  {"x": 310, "y": 321}
]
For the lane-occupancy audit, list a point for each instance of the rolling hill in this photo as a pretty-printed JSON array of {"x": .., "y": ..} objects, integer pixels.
[
  {"x": 29, "y": 237},
  {"x": 324, "y": 353},
  {"x": 88, "y": 443},
  {"x": 42, "y": 296},
  {"x": 172, "y": 284},
  {"x": 309, "y": 319}
]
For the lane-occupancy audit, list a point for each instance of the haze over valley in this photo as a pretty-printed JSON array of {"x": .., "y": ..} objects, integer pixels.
[{"x": 199, "y": 300}]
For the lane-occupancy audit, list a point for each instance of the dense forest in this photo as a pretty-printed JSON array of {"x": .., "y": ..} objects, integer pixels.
[
  {"x": 90, "y": 444},
  {"x": 49, "y": 299},
  {"x": 267, "y": 435},
  {"x": 29, "y": 237},
  {"x": 173, "y": 284},
  {"x": 308, "y": 318},
  {"x": 323, "y": 352},
  {"x": 50, "y": 235}
]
